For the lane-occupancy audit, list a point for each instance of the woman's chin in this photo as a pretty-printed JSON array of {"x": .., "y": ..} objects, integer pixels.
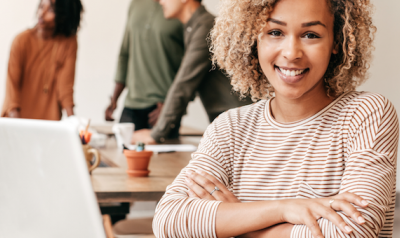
[{"x": 291, "y": 94}]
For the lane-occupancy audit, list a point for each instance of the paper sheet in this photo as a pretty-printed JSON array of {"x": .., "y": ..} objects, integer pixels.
[{"x": 168, "y": 148}]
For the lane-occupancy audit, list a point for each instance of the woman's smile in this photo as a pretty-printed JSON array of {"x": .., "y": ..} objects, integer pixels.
[{"x": 291, "y": 75}]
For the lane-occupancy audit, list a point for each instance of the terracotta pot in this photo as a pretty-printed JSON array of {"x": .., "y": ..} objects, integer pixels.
[{"x": 138, "y": 162}]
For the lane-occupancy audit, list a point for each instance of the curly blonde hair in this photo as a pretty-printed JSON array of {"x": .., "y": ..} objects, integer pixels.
[{"x": 234, "y": 45}]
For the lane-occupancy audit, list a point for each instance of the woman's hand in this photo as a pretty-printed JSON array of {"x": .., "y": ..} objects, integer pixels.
[
  {"x": 203, "y": 185},
  {"x": 308, "y": 211},
  {"x": 14, "y": 113},
  {"x": 294, "y": 211}
]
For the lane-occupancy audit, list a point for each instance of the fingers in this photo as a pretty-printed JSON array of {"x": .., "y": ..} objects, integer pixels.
[
  {"x": 209, "y": 183},
  {"x": 154, "y": 113},
  {"x": 153, "y": 116},
  {"x": 352, "y": 198},
  {"x": 152, "y": 122},
  {"x": 335, "y": 218},
  {"x": 349, "y": 209},
  {"x": 312, "y": 224},
  {"x": 198, "y": 190},
  {"x": 201, "y": 181},
  {"x": 109, "y": 113},
  {"x": 343, "y": 203},
  {"x": 215, "y": 181},
  {"x": 160, "y": 105},
  {"x": 192, "y": 194}
]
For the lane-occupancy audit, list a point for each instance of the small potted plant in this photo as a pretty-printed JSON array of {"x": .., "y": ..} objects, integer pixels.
[{"x": 138, "y": 160}]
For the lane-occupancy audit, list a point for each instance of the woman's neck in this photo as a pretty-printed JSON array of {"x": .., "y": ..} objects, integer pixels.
[
  {"x": 290, "y": 110},
  {"x": 44, "y": 33}
]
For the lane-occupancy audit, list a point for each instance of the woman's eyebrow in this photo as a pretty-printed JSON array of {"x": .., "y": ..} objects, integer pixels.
[
  {"x": 312, "y": 23},
  {"x": 277, "y": 21},
  {"x": 306, "y": 24}
]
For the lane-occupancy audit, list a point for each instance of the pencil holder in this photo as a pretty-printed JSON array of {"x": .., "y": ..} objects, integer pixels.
[{"x": 138, "y": 162}]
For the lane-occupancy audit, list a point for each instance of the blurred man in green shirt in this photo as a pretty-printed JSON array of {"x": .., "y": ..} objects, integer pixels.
[
  {"x": 150, "y": 56},
  {"x": 195, "y": 74}
]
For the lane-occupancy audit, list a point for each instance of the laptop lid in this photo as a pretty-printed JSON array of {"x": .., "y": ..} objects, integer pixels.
[{"x": 45, "y": 188}]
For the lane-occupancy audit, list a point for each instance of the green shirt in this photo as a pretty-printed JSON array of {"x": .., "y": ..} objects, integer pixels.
[{"x": 150, "y": 56}]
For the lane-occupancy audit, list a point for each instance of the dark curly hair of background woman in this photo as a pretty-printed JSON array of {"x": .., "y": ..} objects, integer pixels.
[{"x": 68, "y": 16}]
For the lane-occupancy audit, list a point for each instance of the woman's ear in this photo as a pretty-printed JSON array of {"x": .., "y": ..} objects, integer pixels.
[{"x": 335, "y": 49}]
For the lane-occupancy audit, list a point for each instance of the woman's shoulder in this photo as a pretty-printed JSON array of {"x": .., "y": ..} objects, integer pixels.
[
  {"x": 23, "y": 36},
  {"x": 367, "y": 101},
  {"x": 362, "y": 106},
  {"x": 241, "y": 116}
]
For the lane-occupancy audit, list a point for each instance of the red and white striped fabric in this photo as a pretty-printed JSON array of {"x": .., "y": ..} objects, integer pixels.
[{"x": 349, "y": 146}]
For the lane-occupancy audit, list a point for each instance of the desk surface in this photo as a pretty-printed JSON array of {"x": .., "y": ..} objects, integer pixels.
[
  {"x": 183, "y": 131},
  {"x": 112, "y": 184}
]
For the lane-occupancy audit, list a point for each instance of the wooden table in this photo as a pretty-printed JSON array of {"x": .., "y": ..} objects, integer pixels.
[
  {"x": 183, "y": 130},
  {"x": 112, "y": 184}
]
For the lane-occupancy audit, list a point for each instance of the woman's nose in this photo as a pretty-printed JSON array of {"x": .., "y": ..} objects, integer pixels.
[
  {"x": 292, "y": 49},
  {"x": 40, "y": 12}
]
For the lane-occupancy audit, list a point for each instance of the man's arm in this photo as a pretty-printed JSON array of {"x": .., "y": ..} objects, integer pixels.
[
  {"x": 195, "y": 65},
  {"x": 120, "y": 78},
  {"x": 119, "y": 87}
]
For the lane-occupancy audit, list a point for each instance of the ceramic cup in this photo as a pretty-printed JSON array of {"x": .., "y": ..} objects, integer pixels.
[
  {"x": 89, "y": 152},
  {"x": 138, "y": 162},
  {"x": 123, "y": 133}
]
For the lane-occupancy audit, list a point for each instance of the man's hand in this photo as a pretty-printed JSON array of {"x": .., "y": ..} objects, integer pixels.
[
  {"x": 144, "y": 136},
  {"x": 14, "y": 113},
  {"x": 109, "y": 111},
  {"x": 153, "y": 116}
]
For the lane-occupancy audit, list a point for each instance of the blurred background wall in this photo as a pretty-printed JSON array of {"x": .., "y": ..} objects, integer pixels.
[{"x": 100, "y": 37}]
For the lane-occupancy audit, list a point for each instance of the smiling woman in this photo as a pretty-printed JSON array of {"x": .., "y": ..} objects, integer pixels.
[
  {"x": 312, "y": 158},
  {"x": 234, "y": 38}
]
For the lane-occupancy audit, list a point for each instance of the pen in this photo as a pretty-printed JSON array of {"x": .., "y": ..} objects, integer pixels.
[{"x": 170, "y": 151}]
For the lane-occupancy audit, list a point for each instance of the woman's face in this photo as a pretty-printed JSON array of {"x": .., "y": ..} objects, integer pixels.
[
  {"x": 296, "y": 47},
  {"x": 46, "y": 15}
]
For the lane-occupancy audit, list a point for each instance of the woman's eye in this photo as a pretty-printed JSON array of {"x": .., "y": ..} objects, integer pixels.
[
  {"x": 311, "y": 36},
  {"x": 275, "y": 33}
]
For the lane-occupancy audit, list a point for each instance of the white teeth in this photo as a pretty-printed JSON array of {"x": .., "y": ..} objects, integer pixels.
[{"x": 291, "y": 72}]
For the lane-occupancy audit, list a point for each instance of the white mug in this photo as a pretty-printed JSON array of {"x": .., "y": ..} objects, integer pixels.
[{"x": 123, "y": 133}]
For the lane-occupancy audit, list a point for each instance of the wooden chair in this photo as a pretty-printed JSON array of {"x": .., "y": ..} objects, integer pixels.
[
  {"x": 108, "y": 226},
  {"x": 138, "y": 228}
]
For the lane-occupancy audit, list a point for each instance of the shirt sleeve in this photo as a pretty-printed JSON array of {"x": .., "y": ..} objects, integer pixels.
[
  {"x": 66, "y": 76},
  {"x": 14, "y": 76},
  {"x": 370, "y": 171},
  {"x": 123, "y": 58},
  {"x": 177, "y": 215},
  {"x": 195, "y": 65}
]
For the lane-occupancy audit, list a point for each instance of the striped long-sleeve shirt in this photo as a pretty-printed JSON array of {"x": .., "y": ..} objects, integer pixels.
[{"x": 349, "y": 146}]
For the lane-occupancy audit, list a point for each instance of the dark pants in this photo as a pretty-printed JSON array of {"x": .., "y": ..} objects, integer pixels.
[{"x": 140, "y": 117}]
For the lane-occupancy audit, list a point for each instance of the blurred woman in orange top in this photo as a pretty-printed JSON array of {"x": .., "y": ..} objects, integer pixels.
[{"x": 41, "y": 68}]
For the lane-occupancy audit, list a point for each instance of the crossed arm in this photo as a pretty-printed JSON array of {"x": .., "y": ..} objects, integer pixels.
[
  {"x": 250, "y": 219},
  {"x": 188, "y": 210}
]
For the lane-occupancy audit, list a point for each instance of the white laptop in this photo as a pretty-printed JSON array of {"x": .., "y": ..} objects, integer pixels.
[{"x": 45, "y": 188}]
